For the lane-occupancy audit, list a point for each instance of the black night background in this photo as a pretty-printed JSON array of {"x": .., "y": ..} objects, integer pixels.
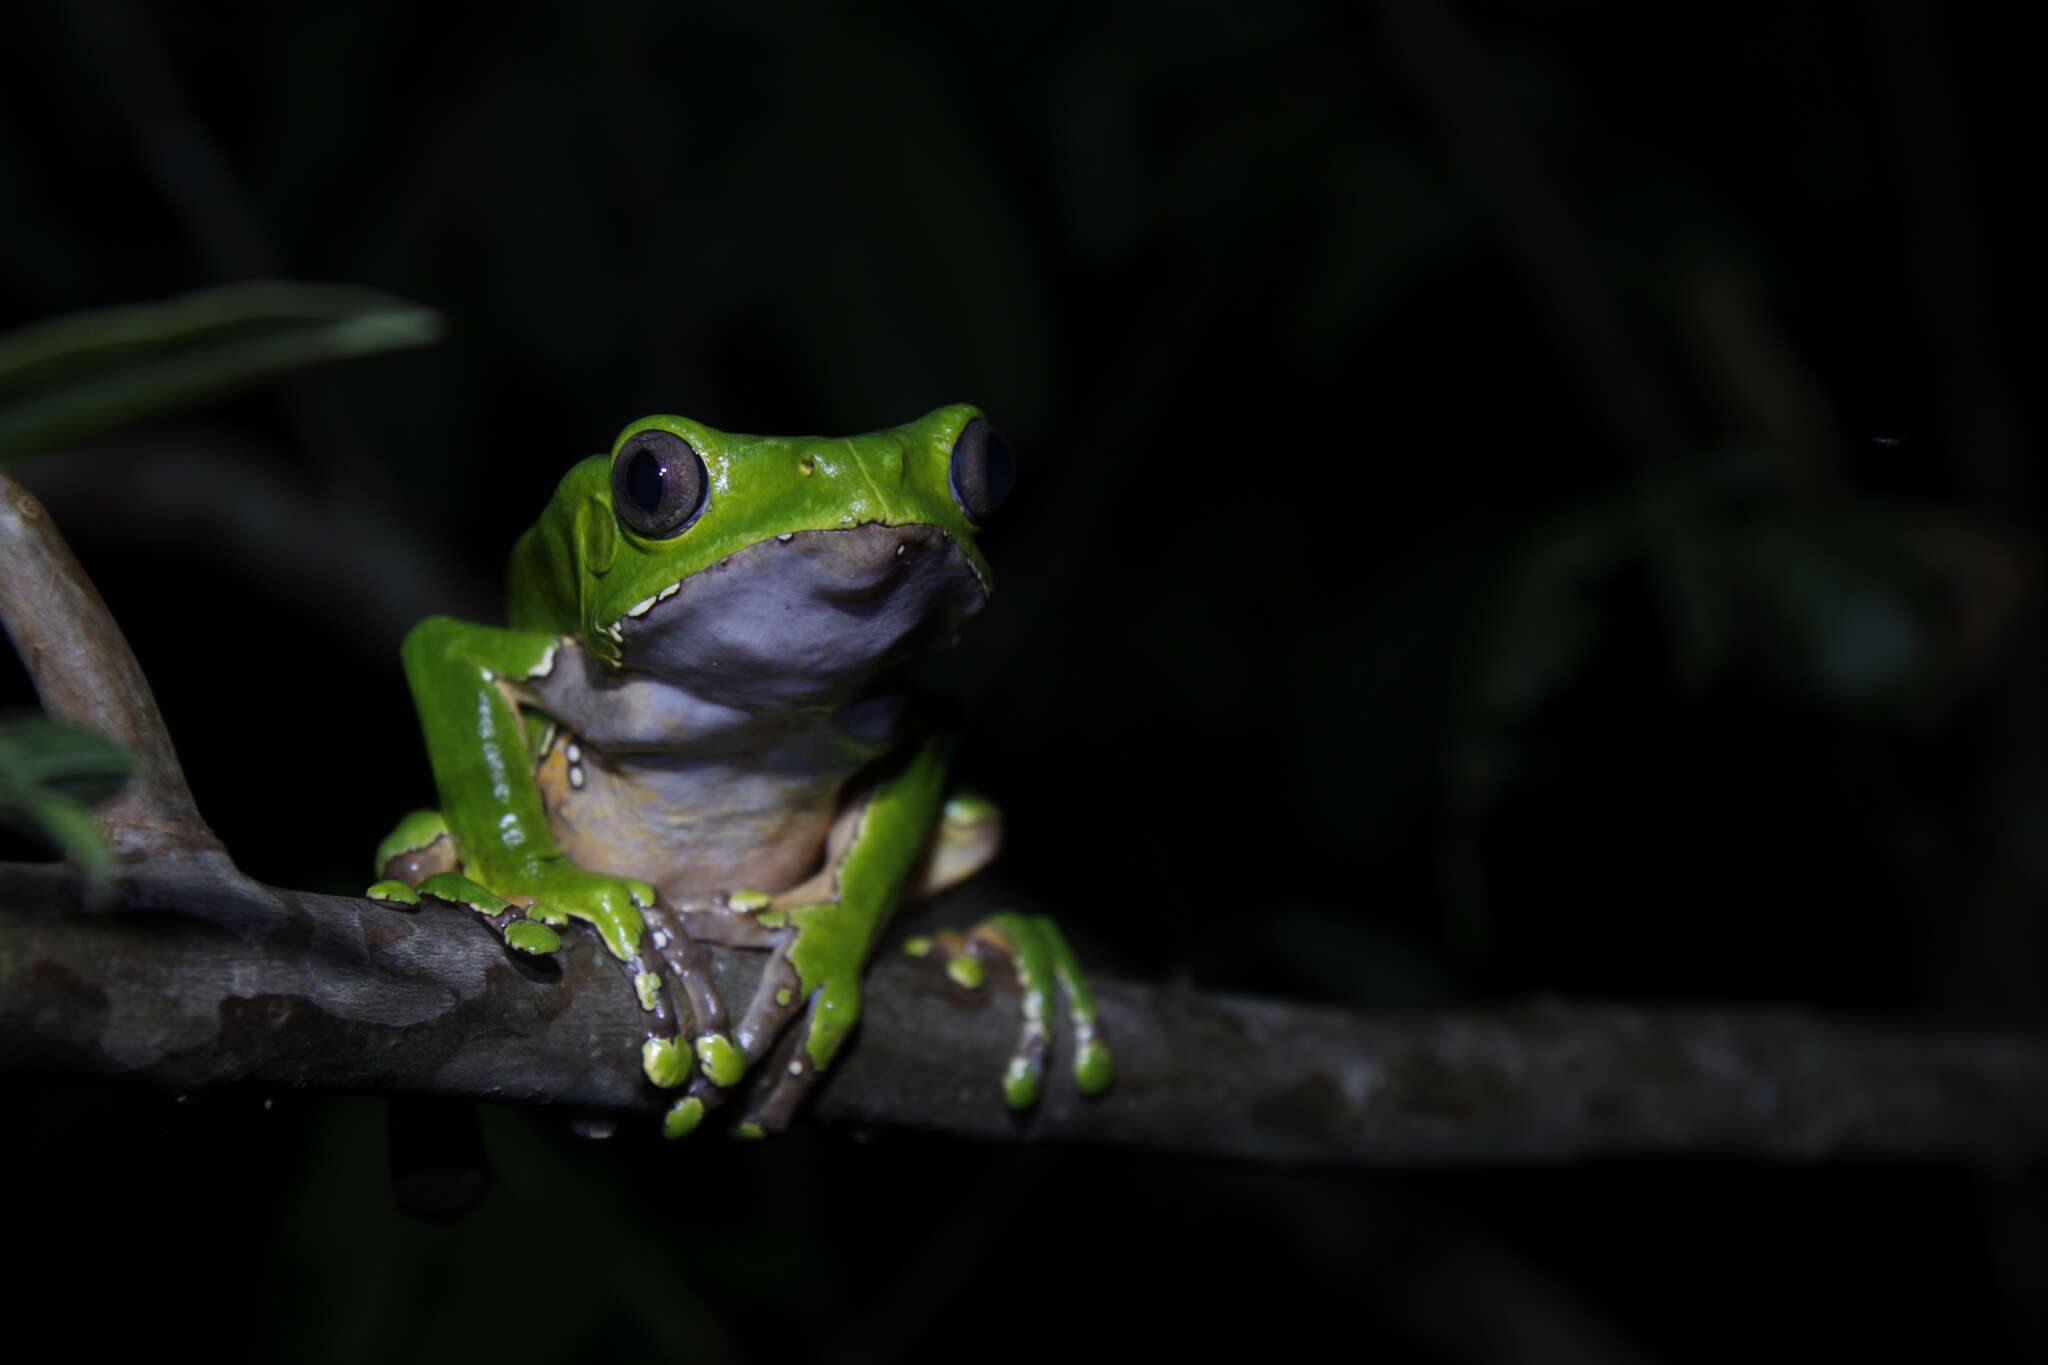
[{"x": 1523, "y": 499}]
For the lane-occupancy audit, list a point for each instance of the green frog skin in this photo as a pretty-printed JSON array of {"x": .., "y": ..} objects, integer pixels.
[{"x": 686, "y": 736}]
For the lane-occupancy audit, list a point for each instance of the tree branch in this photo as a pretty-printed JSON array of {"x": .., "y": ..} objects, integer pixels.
[
  {"x": 191, "y": 976},
  {"x": 191, "y": 980}
]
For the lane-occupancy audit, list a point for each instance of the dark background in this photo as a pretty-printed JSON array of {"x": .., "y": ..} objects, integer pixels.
[{"x": 1519, "y": 499}]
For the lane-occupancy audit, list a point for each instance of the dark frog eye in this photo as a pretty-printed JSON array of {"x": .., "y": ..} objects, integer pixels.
[
  {"x": 658, "y": 482},
  {"x": 982, "y": 471}
]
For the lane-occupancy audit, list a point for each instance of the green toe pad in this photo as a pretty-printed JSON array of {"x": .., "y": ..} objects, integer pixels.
[
  {"x": 723, "y": 1063},
  {"x": 529, "y": 937},
  {"x": 667, "y": 1065},
  {"x": 1093, "y": 1067},
  {"x": 682, "y": 1118}
]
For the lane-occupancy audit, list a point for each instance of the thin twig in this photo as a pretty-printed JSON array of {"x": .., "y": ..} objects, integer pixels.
[{"x": 85, "y": 673}]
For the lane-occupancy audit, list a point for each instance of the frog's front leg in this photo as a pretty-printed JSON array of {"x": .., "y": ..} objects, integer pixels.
[
  {"x": 468, "y": 682},
  {"x": 420, "y": 859}
]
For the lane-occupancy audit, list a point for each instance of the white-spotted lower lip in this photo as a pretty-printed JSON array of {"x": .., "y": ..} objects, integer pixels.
[{"x": 643, "y": 606}]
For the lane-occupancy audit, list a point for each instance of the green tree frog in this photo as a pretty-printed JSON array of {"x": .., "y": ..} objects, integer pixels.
[{"x": 686, "y": 736}]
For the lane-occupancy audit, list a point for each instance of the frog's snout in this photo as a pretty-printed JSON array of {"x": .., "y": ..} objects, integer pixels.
[{"x": 864, "y": 562}]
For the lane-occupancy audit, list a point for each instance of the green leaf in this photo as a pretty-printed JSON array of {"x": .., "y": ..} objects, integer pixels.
[
  {"x": 75, "y": 377},
  {"x": 51, "y": 775}
]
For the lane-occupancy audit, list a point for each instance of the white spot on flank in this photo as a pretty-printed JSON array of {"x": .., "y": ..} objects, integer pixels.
[
  {"x": 670, "y": 591},
  {"x": 641, "y": 607},
  {"x": 575, "y": 752},
  {"x": 796, "y": 1068},
  {"x": 547, "y": 662},
  {"x": 900, "y": 549},
  {"x": 576, "y": 778},
  {"x": 786, "y": 537},
  {"x": 661, "y": 938}
]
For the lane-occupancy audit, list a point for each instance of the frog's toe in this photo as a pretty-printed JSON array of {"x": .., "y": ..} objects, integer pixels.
[
  {"x": 665, "y": 1053},
  {"x": 778, "y": 998},
  {"x": 547, "y": 914},
  {"x": 1044, "y": 962},
  {"x": 683, "y": 1117},
  {"x": 508, "y": 920},
  {"x": 723, "y": 1062},
  {"x": 537, "y": 940},
  {"x": 950, "y": 946},
  {"x": 1024, "y": 1075},
  {"x": 792, "y": 1066},
  {"x": 789, "y": 1076},
  {"x": 1094, "y": 1067},
  {"x": 689, "y": 968},
  {"x": 664, "y": 1062},
  {"x": 392, "y": 891}
]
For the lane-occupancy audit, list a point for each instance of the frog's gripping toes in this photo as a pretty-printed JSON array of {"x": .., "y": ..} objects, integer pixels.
[
  {"x": 1037, "y": 951},
  {"x": 688, "y": 698},
  {"x": 420, "y": 859}
]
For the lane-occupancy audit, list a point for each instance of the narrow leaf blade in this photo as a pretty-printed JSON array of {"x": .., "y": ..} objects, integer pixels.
[{"x": 72, "y": 378}]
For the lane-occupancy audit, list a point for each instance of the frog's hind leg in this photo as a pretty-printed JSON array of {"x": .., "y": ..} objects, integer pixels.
[{"x": 969, "y": 833}]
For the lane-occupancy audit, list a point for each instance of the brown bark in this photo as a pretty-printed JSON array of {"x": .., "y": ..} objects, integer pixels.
[{"x": 191, "y": 981}]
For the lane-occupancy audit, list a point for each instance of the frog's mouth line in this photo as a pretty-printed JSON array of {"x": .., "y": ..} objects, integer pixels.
[{"x": 878, "y": 558}]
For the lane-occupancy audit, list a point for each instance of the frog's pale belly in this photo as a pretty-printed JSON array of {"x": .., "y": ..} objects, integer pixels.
[{"x": 694, "y": 829}]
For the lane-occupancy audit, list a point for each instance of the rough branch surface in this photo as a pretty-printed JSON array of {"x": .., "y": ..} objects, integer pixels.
[{"x": 192, "y": 979}]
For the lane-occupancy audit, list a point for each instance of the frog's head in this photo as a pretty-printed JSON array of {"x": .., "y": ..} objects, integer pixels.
[{"x": 768, "y": 570}]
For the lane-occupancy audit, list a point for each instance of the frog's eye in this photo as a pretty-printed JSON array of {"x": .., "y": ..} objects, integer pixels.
[
  {"x": 982, "y": 471},
  {"x": 658, "y": 482}
]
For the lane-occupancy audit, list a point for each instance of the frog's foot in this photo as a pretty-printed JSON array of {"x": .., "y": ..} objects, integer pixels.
[
  {"x": 717, "y": 1054},
  {"x": 815, "y": 955},
  {"x": 532, "y": 928},
  {"x": 1039, "y": 954}
]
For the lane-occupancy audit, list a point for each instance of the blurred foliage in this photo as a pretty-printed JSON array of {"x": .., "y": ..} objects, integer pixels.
[
  {"x": 79, "y": 376},
  {"x": 1853, "y": 606},
  {"x": 51, "y": 776}
]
